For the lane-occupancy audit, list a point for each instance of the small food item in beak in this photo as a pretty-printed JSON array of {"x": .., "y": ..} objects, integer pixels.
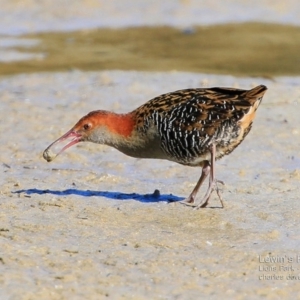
[{"x": 67, "y": 140}]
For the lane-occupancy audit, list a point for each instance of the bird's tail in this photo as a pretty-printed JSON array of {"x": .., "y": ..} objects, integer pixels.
[{"x": 256, "y": 94}]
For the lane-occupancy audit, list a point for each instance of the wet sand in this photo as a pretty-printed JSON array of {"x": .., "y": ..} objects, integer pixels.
[
  {"x": 88, "y": 226},
  {"x": 247, "y": 49}
]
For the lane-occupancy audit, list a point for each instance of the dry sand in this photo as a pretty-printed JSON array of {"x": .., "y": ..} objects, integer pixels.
[{"x": 87, "y": 226}]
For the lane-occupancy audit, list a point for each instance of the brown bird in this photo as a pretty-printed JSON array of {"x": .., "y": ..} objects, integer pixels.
[{"x": 192, "y": 127}]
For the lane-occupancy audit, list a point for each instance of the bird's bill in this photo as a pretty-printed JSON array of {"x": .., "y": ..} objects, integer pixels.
[{"x": 66, "y": 141}]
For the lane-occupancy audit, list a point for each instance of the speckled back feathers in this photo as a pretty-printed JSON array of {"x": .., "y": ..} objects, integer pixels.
[{"x": 189, "y": 121}]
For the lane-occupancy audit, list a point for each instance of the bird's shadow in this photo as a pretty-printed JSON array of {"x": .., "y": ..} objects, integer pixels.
[{"x": 148, "y": 198}]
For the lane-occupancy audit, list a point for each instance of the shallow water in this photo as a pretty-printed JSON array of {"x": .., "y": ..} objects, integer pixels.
[{"x": 26, "y": 16}]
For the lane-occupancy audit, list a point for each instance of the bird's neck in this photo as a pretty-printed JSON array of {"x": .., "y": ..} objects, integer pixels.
[
  {"x": 120, "y": 125},
  {"x": 116, "y": 130},
  {"x": 120, "y": 131}
]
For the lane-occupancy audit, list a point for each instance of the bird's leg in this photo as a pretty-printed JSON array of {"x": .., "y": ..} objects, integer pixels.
[
  {"x": 190, "y": 200},
  {"x": 213, "y": 182}
]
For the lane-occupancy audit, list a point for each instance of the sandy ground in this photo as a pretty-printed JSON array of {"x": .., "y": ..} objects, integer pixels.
[{"x": 87, "y": 225}]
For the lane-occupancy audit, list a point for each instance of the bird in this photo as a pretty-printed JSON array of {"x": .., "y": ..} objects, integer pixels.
[{"x": 193, "y": 127}]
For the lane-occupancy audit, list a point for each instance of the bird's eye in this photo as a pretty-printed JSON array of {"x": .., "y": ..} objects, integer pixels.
[{"x": 86, "y": 126}]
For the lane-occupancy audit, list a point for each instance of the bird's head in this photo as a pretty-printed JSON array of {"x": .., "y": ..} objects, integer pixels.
[{"x": 100, "y": 127}]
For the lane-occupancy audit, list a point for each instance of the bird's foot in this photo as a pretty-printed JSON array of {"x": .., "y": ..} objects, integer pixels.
[
  {"x": 189, "y": 201},
  {"x": 213, "y": 186}
]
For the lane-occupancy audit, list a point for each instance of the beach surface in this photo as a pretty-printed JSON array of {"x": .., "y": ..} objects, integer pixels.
[
  {"x": 96, "y": 224},
  {"x": 90, "y": 224}
]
